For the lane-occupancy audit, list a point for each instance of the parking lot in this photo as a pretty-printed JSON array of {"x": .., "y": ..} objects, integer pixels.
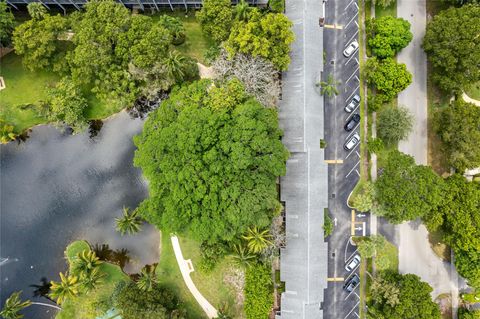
[{"x": 340, "y": 30}]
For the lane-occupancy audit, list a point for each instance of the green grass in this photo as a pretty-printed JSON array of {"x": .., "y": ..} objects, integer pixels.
[
  {"x": 391, "y": 253},
  {"x": 474, "y": 91},
  {"x": 210, "y": 284},
  {"x": 196, "y": 43},
  {"x": 388, "y": 11},
  {"x": 438, "y": 246}
]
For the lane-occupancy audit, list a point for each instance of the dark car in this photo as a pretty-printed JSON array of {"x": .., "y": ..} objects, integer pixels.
[
  {"x": 352, "y": 122},
  {"x": 352, "y": 283}
]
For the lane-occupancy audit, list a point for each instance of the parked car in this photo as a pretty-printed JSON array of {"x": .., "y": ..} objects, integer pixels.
[
  {"x": 352, "y": 104},
  {"x": 353, "y": 263},
  {"x": 352, "y": 283},
  {"x": 350, "y": 144},
  {"x": 352, "y": 122},
  {"x": 352, "y": 47}
]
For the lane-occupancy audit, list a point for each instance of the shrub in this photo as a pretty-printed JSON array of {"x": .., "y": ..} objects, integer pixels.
[{"x": 258, "y": 292}]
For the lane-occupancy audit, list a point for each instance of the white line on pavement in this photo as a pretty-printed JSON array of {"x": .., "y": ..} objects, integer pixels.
[
  {"x": 353, "y": 74},
  {"x": 353, "y": 19},
  {"x": 348, "y": 42},
  {"x": 346, "y": 259},
  {"x": 348, "y": 5},
  {"x": 352, "y": 169},
  {"x": 351, "y": 294},
  {"x": 352, "y": 310}
]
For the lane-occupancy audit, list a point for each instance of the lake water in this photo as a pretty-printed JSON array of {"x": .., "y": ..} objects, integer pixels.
[{"x": 56, "y": 188}]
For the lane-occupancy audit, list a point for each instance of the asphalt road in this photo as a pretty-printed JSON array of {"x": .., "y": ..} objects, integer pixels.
[{"x": 341, "y": 28}]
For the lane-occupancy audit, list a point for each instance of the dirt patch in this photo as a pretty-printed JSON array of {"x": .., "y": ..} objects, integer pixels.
[
  {"x": 235, "y": 278},
  {"x": 440, "y": 249},
  {"x": 205, "y": 71},
  {"x": 444, "y": 301}
]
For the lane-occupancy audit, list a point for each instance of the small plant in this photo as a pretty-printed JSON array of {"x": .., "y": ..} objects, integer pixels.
[
  {"x": 329, "y": 87},
  {"x": 323, "y": 143},
  {"x": 328, "y": 225},
  {"x": 375, "y": 145},
  {"x": 130, "y": 223},
  {"x": 147, "y": 278}
]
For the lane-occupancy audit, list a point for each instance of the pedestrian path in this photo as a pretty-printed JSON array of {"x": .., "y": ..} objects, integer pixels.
[
  {"x": 186, "y": 267},
  {"x": 468, "y": 99}
]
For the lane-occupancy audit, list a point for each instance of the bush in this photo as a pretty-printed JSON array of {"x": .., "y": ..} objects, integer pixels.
[
  {"x": 258, "y": 292},
  {"x": 277, "y": 5},
  {"x": 328, "y": 225},
  {"x": 364, "y": 199},
  {"x": 211, "y": 254},
  {"x": 375, "y": 145}
]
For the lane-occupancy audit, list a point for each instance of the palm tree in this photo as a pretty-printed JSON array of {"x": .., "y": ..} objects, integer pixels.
[
  {"x": 36, "y": 10},
  {"x": 13, "y": 305},
  {"x": 90, "y": 280},
  {"x": 241, "y": 10},
  {"x": 175, "y": 64},
  {"x": 242, "y": 257},
  {"x": 147, "y": 278},
  {"x": 257, "y": 240},
  {"x": 129, "y": 223},
  {"x": 86, "y": 262},
  {"x": 328, "y": 88},
  {"x": 66, "y": 288}
]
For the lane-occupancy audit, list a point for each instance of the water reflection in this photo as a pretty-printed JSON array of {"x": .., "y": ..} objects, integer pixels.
[{"x": 56, "y": 188}]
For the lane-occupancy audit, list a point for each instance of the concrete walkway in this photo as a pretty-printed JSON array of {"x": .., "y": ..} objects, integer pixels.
[
  {"x": 186, "y": 267},
  {"x": 468, "y": 99},
  {"x": 415, "y": 254}
]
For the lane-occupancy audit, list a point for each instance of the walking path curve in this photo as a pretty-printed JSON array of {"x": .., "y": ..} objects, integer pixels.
[
  {"x": 468, "y": 99},
  {"x": 186, "y": 267}
]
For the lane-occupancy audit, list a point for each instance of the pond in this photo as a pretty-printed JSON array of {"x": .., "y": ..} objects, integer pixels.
[{"x": 56, "y": 188}]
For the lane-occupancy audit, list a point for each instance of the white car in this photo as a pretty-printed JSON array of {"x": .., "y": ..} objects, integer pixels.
[
  {"x": 354, "y": 140},
  {"x": 352, "y": 47},
  {"x": 353, "y": 263}
]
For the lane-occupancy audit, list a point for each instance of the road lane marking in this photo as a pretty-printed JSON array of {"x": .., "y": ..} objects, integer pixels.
[
  {"x": 354, "y": 307},
  {"x": 352, "y": 226},
  {"x": 333, "y": 26},
  {"x": 351, "y": 294},
  {"x": 352, "y": 170},
  {"x": 338, "y": 161},
  {"x": 356, "y": 14},
  {"x": 353, "y": 74},
  {"x": 351, "y": 39},
  {"x": 336, "y": 279}
]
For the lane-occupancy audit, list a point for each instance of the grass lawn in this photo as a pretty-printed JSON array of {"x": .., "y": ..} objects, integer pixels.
[
  {"x": 388, "y": 11},
  {"x": 210, "y": 284},
  {"x": 196, "y": 43},
  {"x": 391, "y": 253},
  {"x": 474, "y": 91}
]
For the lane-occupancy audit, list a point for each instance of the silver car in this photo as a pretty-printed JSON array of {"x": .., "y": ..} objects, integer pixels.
[
  {"x": 353, "y": 263},
  {"x": 352, "y": 47},
  {"x": 354, "y": 140},
  {"x": 353, "y": 103}
]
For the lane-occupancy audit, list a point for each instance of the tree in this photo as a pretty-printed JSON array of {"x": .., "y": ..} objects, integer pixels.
[
  {"x": 148, "y": 278},
  {"x": 387, "y": 76},
  {"x": 394, "y": 124},
  {"x": 241, "y": 10},
  {"x": 242, "y": 256},
  {"x": 130, "y": 223},
  {"x": 268, "y": 36},
  {"x": 257, "y": 240},
  {"x": 388, "y": 35},
  {"x": 85, "y": 262},
  {"x": 212, "y": 156},
  {"x": 258, "y": 75},
  {"x": 159, "y": 303},
  {"x": 90, "y": 280},
  {"x": 466, "y": 314},
  {"x": 38, "y": 42},
  {"x": 7, "y": 133},
  {"x": 459, "y": 128},
  {"x": 405, "y": 191},
  {"x": 216, "y": 18},
  {"x": 401, "y": 296},
  {"x": 68, "y": 287},
  {"x": 453, "y": 47},
  {"x": 384, "y": 3},
  {"x": 277, "y": 5},
  {"x": 363, "y": 201},
  {"x": 7, "y": 24},
  {"x": 175, "y": 26},
  {"x": 329, "y": 87},
  {"x": 66, "y": 104},
  {"x": 369, "y": 247},
  {"x": 258, "y": 291},
  {"x": 36, "y": 10},
  {"x": 13, "y": 305}
]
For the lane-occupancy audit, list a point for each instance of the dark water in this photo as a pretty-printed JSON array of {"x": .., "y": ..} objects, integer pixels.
[{"x": 56, "y": 188}]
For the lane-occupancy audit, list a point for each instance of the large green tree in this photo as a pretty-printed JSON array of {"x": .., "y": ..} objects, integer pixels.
[
  {"x": 37, "y": 40},
  {"x": 387, "y": 76},
  {"x": 459, "y": 128},
  {"x": 452, "y": 43},
  {"x": 216, "y": 18},
  {"x": 107, "y": 40},
  {"x": 7, "y": 24},
  {"x": 405, "y": 191},
  {"x": 402, "y": 297},
  {"x": 36, "y": 10},
  {"x": 388, "y": 35},
  {"x": 212, "y": 156},
  {"x": 394, "y": 124},
  {"x": 266, "y": 35}
]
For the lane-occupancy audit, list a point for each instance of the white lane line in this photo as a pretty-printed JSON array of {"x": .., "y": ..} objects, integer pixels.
[
  {"x": 349, "y": 257},
  {"x": 351, "y": 294},
  {"x": 357, "y": 154},
  {"x": 351, "y": 95},
  {"x": 356, "y": 314},
  {"x": 355, "y": 307},
  {"x": 354, "y": 73},
  {"x": 350, "y": 135},
  {"x": 351, "y": 39},
  {"x": 357, "y": 295},
  {"x": 348, "y": 155},
  {"x": 353, "y": 56},
  {"x": 356, "y": 171},
  {"x": 348, "y": 5},
  {"x": 352, "y": 169},
  {"x": 346, "y": 26}
]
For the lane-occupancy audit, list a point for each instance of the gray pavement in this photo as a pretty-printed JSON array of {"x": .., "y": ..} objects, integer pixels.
[{"x": 303, "y": 262}]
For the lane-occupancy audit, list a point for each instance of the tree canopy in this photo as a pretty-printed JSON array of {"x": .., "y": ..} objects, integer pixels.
[
  {"x": 266, "y": 35},
  {"x": 212, "y": 156},
  {"x": 7, "y": 24},
  {"x": 388, "y": 35},
  {"x": 405, "y": 191},
  {"x": 387, "y": 76},
  {"x": 453, "y": 47},
  {"x": 396, "y": 296},
  {"x": 216, "y": 18},
  {"x": 459, "y": 128},
  {"x": 394, "y": 124}
]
